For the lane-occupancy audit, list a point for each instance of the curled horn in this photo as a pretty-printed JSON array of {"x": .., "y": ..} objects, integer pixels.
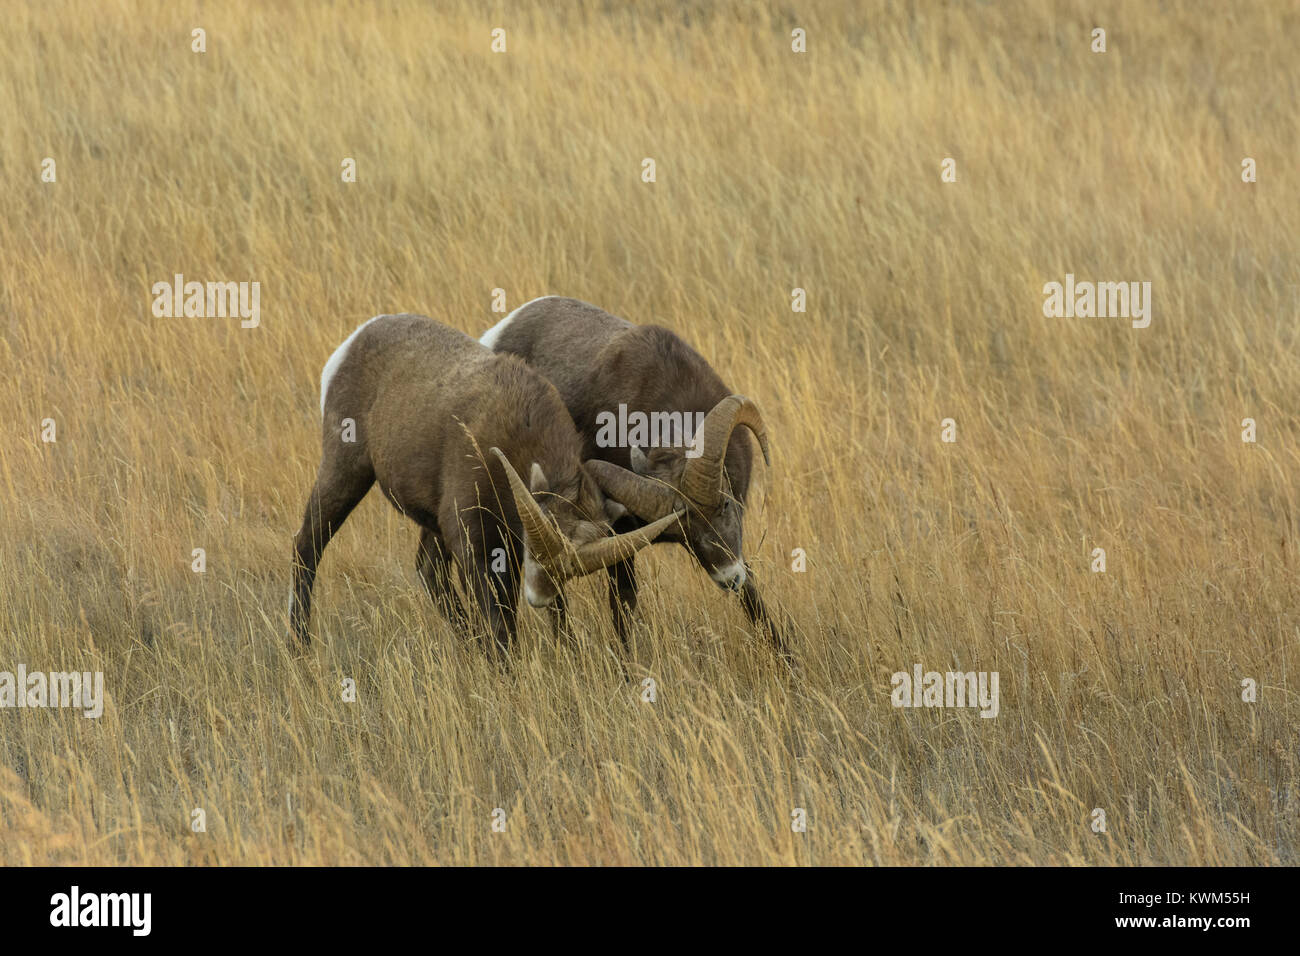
[
  {"x": 547, "y": 544},
  {"x": 702, "y": 477},
  {"x": 556, "y": 552},
  {"x": 606, "y": 551},
  {"x": 646, "y": 498}
]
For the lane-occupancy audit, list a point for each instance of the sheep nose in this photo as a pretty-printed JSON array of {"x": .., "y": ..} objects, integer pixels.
[
  {"x": 731, "y": 577},
  {"x": 537, "y": 599}
]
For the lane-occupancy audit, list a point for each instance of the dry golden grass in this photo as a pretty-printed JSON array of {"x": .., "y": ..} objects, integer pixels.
[{"x": 475, "y": 171}]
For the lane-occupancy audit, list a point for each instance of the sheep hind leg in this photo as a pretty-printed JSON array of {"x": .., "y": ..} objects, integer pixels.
[{"x": 338, "y": 489}]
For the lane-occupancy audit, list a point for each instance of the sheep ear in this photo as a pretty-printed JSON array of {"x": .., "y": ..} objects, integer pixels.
[
  {"x": 613, "y": 510},
  {"x": 537, "y": 483},
  {"x": 640, "y": 461}
]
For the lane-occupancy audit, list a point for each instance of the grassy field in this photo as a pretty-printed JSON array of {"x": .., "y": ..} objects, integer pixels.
[{"x": 774, "y": 170}]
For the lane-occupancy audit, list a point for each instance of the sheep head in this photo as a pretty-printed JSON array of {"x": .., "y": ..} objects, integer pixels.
[{"x": 668, "y": 481}]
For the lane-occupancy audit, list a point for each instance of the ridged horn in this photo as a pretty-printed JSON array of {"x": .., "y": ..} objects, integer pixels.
[
  {"x": 646, "y": 498},
  {"x": 606, "y": 551},
  {"x": 544, "y": 539},
  {"x": 557, "y": 553},
  {"x": 702, "y": 476}
]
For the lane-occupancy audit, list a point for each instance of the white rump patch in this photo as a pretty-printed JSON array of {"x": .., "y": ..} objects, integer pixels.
[
  {"x": 335, "y": 360},
  {"x": 491, "y": 336}
]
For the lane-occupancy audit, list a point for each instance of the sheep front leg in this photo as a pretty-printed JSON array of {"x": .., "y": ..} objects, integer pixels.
[
  {"x": 436, "y": 570},
  {"x": 559, "y": 615},
  {"x": 621, "y": 577},
  {"x": 497, "y": 605},
  {"x": 759, "y": 615},
  {"x": 492, "y": 576}
]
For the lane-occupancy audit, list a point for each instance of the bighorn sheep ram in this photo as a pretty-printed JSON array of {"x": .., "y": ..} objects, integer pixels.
[
  {"x": 603, "y": 365},
  {"x": 409, "y": 403}
]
